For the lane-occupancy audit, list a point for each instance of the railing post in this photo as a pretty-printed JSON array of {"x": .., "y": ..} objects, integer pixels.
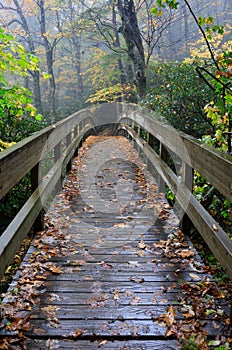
[
  {"x": 35, "y": 175},
  {"x": 149, "y": 164},
  {"x": 68, "y": 142},
  {"x": 133, "y": 128},
  {"x": 133, "y": 124},
  {"x": 75, "y": 133},
  {"x": 164, "y": 155},
  {"x": 57, "y": 154},
  {"x": 187, "y": 180}
]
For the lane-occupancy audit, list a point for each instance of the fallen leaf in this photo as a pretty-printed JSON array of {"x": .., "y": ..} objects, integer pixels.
[
  {"x": 186, "y": 253},
  {"x": 52, "y": 268},
  {"x": 116, "y": 294},
  {"x": 77, "y": 334},
  {"x": 106, "y": 265},
  {"x": 38, "y": 331},
  {"x": 77, "y": 262},
  {"x": 142, "y": 245},
  {"x": 195, "y": 277},
  {"x": 137, "y": 279},
  {"x": 135, "y": 301},
  {"x": 101, "y": 342}
]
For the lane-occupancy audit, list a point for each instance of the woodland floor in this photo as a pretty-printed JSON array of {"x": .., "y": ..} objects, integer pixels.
[{"x": 112, "y": 270}]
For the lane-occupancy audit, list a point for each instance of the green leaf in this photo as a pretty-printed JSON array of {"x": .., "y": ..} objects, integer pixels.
[
  {"x": 39, "y": 117},
  {"x": 154, "y": 11}
]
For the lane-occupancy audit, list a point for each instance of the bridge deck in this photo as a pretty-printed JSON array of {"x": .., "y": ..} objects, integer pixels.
[{"x": 112, "y": 270}]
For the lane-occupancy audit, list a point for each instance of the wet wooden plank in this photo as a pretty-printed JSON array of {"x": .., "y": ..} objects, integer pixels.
[
  {"x": 109, "y": 328},
  {"x": 90, "y": 311},
  {"x": 79, "y": 344}
]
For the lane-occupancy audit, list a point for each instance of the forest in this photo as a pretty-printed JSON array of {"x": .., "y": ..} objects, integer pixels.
[{"x": 175, "y": 58}]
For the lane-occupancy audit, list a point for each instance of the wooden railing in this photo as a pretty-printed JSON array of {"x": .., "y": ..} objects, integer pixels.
[
  {"x": 214, "y": 166},
  {"x": 60, "y": 142},
  {"x": 63, "y": 139}
]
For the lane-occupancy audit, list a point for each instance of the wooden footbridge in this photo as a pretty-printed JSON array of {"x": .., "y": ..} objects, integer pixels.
[{"x": 109, "y": 266}]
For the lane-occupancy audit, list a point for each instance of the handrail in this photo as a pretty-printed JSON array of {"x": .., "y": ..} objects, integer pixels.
[
  {"x": 214, "y": 165},
  {"x": 62, "y": 140}
]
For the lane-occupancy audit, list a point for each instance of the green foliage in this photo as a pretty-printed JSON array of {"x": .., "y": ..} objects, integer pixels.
[
  {"x": 180, "y": 95},
  {"x": 219, "y": 207},
  {"x": 189, "y": 344},
  {"x": 173, "y": 4},
  {"x": 208, "y": 24},
  {"x": 13, "y": 201},
  {"x": 217, "y": 74},
  {"x": 18, "y": 117},
  {"x": 16, "y": 102},
  {"x": 219, "y": 110}
]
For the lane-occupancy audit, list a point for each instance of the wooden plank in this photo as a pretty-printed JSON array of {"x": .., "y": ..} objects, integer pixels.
[
  {"x": 112, "y": 312},
  {"x": 107, "y": 328},
  {"x": 109, "y": 287},
  {"x": 108, "y": 344},
  {"x": 157, "y": 297}
]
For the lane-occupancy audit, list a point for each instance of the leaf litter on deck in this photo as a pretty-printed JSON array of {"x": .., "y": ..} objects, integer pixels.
[{"x": 198, "y": 295}]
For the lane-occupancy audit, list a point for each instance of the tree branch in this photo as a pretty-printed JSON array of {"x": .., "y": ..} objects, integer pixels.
[{"x": 203, "y": 33}]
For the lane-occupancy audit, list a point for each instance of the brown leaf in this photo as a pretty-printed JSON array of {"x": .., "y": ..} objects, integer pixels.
[
  {"x": 38, "y": 331},
  {"x": 137, "y": 279},
  {"x": 77, "y": 334},
  {"x": 20, "y": 324},
  {"x": 186, "y": 253},
  {"x": 106, "y": 265},
  {"x": 142, "y": 245},
  {"x": 116, "y": 294},
  {"x": 171, "y": 331},
  {"x": 101, "y": 342},
  {"x": 77, "y": 262},
  {"x": 52, "y": 268},
  {"x": 168, "y": 317},
  {"x": 195, "y": 277},
  {"x": 135, "y": 301}
]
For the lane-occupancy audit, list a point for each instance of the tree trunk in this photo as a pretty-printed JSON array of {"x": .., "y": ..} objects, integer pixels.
[
  {"x": 49, "y": 60},
  {"x": 77, "y": 64},
  {"x": 132, "y": 37},
  {"x": 31, "y": 45},
  {"x": 118, "y": 45}
]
